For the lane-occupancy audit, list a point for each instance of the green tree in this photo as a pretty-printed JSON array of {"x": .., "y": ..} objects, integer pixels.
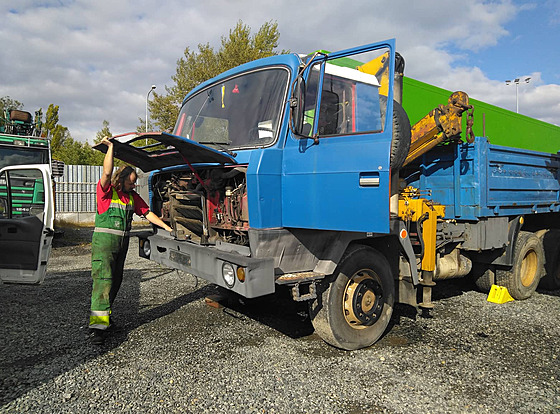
[
  {"x": 196, "y": 67},
  {"x": 60, "y": 143},
  {"x": 103, "y": 132},
  {"x": 8, "y": 103},
  {"x": 63, "y": 147},
  {"x": 96, "y": 157},
  {"x": 51, "y": 120}
]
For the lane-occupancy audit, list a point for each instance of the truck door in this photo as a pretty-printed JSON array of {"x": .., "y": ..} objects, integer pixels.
[
  {"x": 336, "y": 165},
  {"x": 26, "y": 223}
]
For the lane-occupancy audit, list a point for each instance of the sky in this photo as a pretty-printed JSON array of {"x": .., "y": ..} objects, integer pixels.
[{"x": 97, "y": 60}]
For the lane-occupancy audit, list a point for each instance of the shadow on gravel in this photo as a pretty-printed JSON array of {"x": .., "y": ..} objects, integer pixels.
[
  {"x": 44, "y": 330},
  {"x": 277, "y": 311},
  {"x": 549, "y": 292}
]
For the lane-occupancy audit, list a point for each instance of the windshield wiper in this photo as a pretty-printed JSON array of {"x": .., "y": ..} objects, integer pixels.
[{"x": 220, "y": 146}]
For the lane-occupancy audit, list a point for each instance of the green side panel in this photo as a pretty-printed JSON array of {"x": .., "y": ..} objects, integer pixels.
[
  {"x": 500, "y": 126},
  {"x": 23, "y": 140}
]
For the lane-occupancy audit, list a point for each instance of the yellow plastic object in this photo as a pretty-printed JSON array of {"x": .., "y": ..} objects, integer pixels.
[{"x": 499, "y": 294}]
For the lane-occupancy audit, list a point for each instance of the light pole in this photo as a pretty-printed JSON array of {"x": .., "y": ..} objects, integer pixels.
[
  {"x": 516, "y": 82},
  {"x": 147, "y": 96}
]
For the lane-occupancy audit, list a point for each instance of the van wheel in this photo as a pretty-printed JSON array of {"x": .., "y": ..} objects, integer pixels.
[
  {"x": 528, "y": 265},
  {"x": 400, "y": 143},
  {"x": 354, "y": 306}
]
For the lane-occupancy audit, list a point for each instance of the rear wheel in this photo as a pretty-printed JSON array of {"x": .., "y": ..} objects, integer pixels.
[
  {"x": 551, "y": 245},
  {"x": 354, "y": 307},
  {"x": 484, "y": 276},
  {"x": 528, "y": 261}
]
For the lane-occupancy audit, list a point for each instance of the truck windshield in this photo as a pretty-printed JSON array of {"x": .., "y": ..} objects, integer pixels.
[
  {"x": 15, "y": 155},
  {"x": 242, "y": 111}
]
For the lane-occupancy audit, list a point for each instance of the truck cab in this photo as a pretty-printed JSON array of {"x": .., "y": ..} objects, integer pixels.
[{"x": 273, "y": 169}]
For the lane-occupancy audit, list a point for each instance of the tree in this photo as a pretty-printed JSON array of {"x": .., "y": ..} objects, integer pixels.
[
  {"x": 8, "y": 103},
  {"x": 63, "y": 147},
  {"x": 51, "y": 120},
  {"x": 196, "y": 67},
  {"x": 96, "y": 157},
  {"x": 104, "y": 132},
  {"x": 60, "y": 142}
]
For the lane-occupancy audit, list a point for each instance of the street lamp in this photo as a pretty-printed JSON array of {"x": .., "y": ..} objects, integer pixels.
[
  {"x": 516, "y": 82},
  {"x": 147, "y": 96}
]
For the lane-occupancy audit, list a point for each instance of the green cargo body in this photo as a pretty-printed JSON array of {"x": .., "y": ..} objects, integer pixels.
[{"x": 500, "y": 126}]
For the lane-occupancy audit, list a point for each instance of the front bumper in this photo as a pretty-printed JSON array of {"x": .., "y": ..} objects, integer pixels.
[{"x": 207, "y": 262}]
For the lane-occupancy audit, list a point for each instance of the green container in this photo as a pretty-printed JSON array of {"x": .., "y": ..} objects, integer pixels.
[{"x": 500, "y": 126}]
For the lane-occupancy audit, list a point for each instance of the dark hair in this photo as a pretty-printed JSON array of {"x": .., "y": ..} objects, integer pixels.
[{"x": 120, "y": 175}]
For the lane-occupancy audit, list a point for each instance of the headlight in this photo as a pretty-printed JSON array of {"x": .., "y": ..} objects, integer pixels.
[
  {"x": 146, "y": 248},
  {"x": 228, "y": 273}
]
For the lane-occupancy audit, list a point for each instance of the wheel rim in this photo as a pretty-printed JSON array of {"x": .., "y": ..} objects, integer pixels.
[
  {"x": 529, "y": 267},
  {"x": 363, "y": 299}
]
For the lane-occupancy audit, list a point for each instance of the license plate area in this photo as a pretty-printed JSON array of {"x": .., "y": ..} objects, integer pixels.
[{"x": 180, "y": 258}]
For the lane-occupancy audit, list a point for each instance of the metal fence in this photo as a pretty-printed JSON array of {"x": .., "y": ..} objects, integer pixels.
[{"x": 75, "y": 189}]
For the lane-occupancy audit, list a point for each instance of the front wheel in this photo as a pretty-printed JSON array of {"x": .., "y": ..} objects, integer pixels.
[{"x": 353, "y": 308}]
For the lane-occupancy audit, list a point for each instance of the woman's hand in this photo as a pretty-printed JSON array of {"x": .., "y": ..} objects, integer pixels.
[{"x": 106, "y": 141}]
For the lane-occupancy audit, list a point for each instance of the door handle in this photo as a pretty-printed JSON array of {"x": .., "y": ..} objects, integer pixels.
[{"x": 369, "y": 179}]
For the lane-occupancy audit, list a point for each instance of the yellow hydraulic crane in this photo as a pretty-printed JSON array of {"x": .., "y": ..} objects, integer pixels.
[{"x": 440, "y": 124}]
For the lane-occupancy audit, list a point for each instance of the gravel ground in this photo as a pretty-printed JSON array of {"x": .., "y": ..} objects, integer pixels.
[{"x": 174, "y": 353}]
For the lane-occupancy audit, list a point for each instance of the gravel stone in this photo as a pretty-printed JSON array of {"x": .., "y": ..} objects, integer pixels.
[{"x": 172, "y": 353}]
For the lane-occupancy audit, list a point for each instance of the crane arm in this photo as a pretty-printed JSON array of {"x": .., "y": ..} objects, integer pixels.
[{"x": 441, "y": 124}]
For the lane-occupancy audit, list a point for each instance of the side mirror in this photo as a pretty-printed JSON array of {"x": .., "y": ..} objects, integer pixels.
[{"x": 297, "y": 106}]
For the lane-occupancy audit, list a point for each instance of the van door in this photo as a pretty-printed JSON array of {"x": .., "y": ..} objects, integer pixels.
[{"x": 26, "y": 223}]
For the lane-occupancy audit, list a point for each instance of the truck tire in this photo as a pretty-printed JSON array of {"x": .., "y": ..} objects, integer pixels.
[
  {"x": 400, "y": 143},
  {"x": 551, "y": 245},
  {"x": 528, "y": 266},
  {"x": 354, "y": 306},
  {"x": 484, "y": 276}
]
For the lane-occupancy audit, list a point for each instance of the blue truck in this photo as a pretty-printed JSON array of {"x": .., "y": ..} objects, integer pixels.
[{"x": 304, "y": 171}]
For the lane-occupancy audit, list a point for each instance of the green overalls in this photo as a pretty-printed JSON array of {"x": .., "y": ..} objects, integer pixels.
[{"x": 109, "y": 246}]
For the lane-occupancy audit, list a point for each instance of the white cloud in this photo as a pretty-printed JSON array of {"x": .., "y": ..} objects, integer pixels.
[{"x": 97, "y": 60}]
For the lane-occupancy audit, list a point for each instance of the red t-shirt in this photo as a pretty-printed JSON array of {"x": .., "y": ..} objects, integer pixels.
[{"x": 104, "y": 200}]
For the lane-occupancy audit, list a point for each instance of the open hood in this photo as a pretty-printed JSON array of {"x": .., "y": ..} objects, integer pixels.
[{"x": 170, "y": 150}]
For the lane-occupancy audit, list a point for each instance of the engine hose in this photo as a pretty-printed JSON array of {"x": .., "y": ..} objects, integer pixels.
[{"x": 234, "y": 172}]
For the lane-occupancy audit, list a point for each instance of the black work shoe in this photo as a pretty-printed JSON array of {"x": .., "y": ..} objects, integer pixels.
[
  {"x": 113, "y": 327},
  {"x": 96, "y": 336}
]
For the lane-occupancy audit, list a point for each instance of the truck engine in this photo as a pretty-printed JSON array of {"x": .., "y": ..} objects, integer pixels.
[{"x": 205, "y": 205}]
